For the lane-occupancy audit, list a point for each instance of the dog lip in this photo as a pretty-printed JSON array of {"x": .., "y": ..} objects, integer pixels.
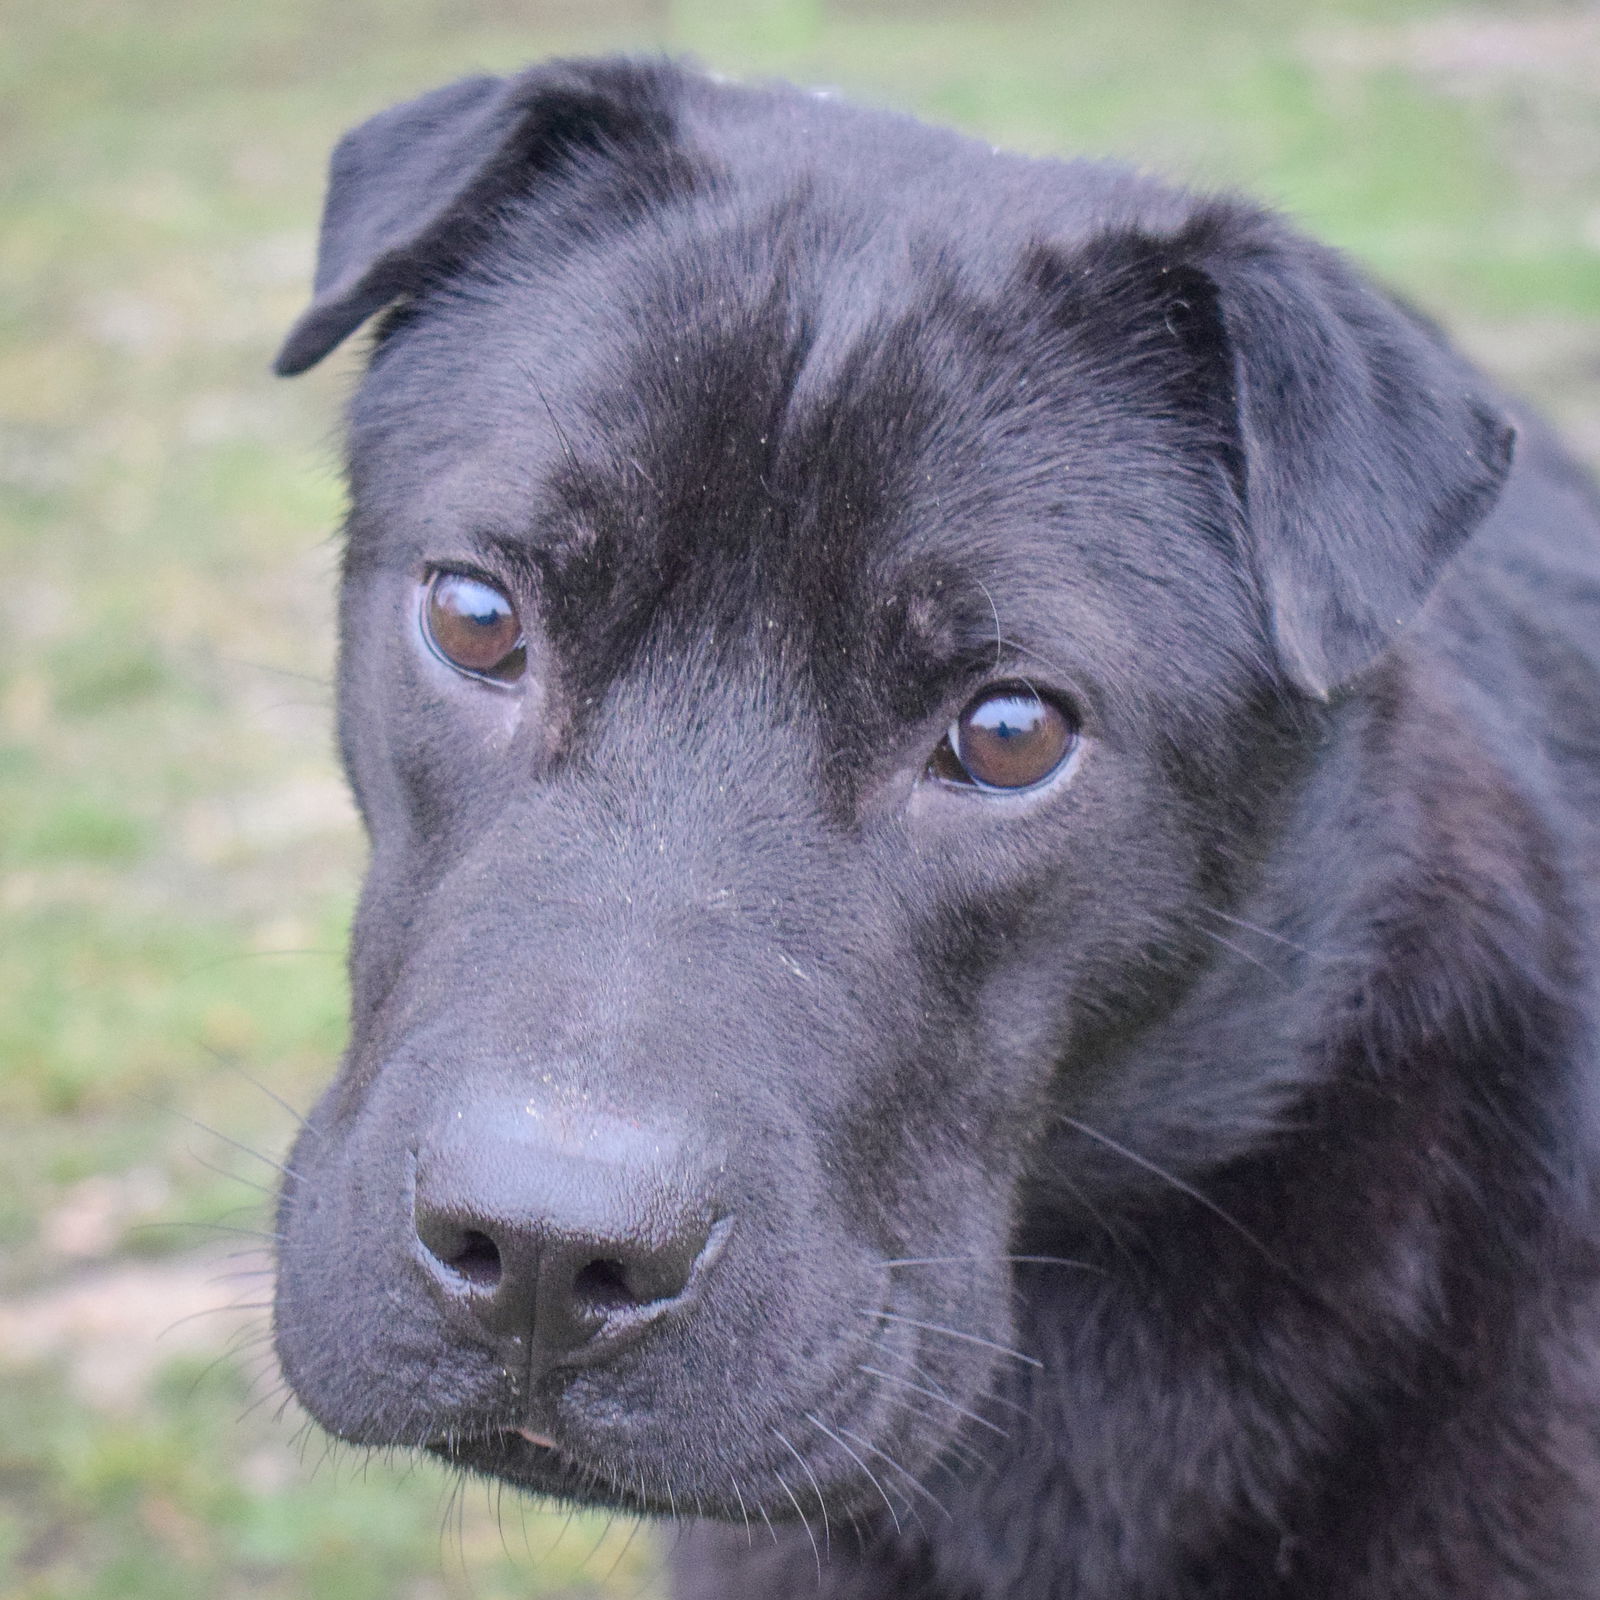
[
  {"x": 500, "y": 1436},
  {"x": 529, "y": 1461}
]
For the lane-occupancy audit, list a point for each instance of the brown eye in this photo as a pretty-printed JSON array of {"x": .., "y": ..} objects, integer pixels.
[
  {"x": 473, "y": 625},
  {"x": 1009, "y": 738}
]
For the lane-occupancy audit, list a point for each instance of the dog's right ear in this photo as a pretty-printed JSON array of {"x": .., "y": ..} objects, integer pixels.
[
  {"x": 410, "y": 189},
  {"x": 1360, "y": 449}
]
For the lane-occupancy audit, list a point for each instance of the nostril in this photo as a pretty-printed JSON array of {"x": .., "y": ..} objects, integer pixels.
[
  {"x": 602, "y": 1286},
  {"x": 476, "y": 1258},
  {"x": 561, "y": 1237}
]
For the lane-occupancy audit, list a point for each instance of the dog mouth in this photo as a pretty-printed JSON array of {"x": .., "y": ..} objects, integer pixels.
[
  {"x": 529, "y": 1442},
  {"x": 522, "y": 1456},
  {"x": 533, "y": 1463}
]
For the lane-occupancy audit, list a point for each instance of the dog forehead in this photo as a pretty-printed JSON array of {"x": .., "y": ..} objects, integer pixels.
[
  {"x": 822, "y": 222},
  {"x": 774, "y": 411},
  {"x": 701, "y": 380},
  {"x": 618, "y": 339}
]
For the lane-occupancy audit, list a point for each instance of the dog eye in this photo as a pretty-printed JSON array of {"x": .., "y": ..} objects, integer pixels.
[
  {"x": 472, "y": 625},
  {"x": 1009, "y": 738}
]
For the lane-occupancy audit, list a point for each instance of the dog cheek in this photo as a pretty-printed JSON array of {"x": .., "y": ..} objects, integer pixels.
[{"x": 355, "y": 1336}]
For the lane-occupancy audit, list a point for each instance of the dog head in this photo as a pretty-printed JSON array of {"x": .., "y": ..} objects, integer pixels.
[{"x": 825, "y": 605}]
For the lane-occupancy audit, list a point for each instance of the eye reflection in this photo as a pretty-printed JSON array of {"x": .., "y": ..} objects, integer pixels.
[
  {"x": 473, "y": 625},
  {"x": 1008, "y": 739}
]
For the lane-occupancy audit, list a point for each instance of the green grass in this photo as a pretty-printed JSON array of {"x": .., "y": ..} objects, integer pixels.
[{"x": 177, "y": 859}]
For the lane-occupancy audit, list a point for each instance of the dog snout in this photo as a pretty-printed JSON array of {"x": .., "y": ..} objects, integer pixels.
[{"x": 562, "y": 1234}]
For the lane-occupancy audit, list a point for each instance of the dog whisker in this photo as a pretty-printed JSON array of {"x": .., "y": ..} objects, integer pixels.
[
  {"x": 497, "y": 1510},
  {"x": 1255, "y": 927},
  {"x": 226, "y": 1138},
  {"x": 1061, "y": 673},
  {"x": 277, "y": 1099},
  {"x": 744, "y": 1511},
  {"x": 1040, "y": 1261},
  {"x": 933, "y": 1394},
  {"x": 805, "y": 1523},
  {"x": 915, "y": 1482},
  {"x": 1100, "y": 1219},
  {"x": 237, "y": 1274},
  {"x": 1156, "y": 1171},
  {"x": 561, "y": 1532},
  {"x": 999, "y": 635},
  {"x": 762, "y": 1510},
  {"x": 605, "y": 1533},
  {"x": 216, "y": 1227},
  {"x": 921, "y": 1371},
  {"x": 627, "y": 1544},
  {"x": 239, "y": 1347},
  {"x": 988, "y": 1398},
  {"x": 232, "y": 1177},
  {"x": 871, "y": 1476},
  {"x": 560, "y": 432},
  {"x": 805, "y": 1466},
  {"x": 955, "y": 1333},
  {"x": 954, "y": 1447},
  {"x": 1244, "y": 955},
  {"x": 215, "y": 1311}
]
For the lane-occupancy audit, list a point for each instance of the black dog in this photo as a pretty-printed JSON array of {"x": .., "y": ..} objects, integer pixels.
[{"x": 985, "y": 809}]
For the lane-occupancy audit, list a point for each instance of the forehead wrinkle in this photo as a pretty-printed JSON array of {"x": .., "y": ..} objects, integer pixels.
[
  {"x": 517, "y": 412},
  {"x": 745, "y": 539}
]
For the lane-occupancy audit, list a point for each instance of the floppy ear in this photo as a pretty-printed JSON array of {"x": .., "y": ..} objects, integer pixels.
[
  {"x": 410, "y": 190},
  {"x": 1368, "y": 455},
  {"x": 1362, "y": 452}
]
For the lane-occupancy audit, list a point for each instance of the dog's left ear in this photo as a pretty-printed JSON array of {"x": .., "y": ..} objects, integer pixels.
[
  {"x": 1361, "y": 450},
  {"x": 411, "y": 189}
]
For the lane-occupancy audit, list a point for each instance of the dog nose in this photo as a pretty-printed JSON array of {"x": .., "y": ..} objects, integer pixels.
[{"x": 565, "y": 1234}]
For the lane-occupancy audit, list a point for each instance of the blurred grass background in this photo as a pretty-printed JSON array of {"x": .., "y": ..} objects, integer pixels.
[{"x": 177, "y": 856}]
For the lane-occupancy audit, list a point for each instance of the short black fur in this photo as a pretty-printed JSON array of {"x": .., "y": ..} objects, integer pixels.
[{"x": 1174, "y": 1182}]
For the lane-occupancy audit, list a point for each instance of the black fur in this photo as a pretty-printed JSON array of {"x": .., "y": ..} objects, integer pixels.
[{"x": 1241, "y": 1084}]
